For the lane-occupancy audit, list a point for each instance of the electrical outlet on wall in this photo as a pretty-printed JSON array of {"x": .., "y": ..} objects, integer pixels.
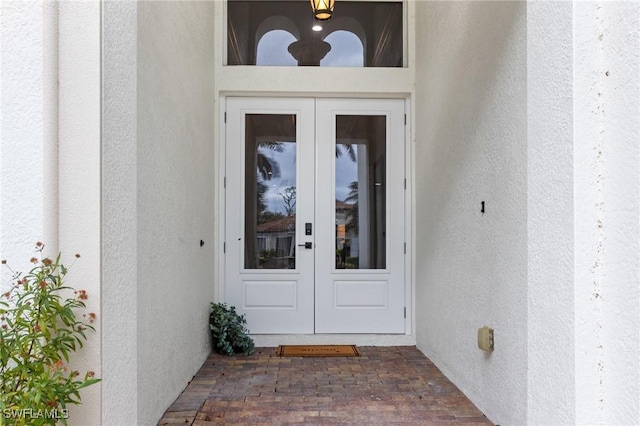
[{"x": 485, "y": 339}]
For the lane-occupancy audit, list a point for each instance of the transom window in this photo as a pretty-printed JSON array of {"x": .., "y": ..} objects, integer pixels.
[{"x": 279, "y": 33}]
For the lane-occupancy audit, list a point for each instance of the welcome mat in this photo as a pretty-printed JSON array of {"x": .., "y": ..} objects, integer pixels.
[{"x": 317, "y": 350}]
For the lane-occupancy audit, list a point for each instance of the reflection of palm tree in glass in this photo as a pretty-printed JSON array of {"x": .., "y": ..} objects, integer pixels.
[
  {"x": 264, "y": 215},
  {"x": 268, "y": 168},
  {"x": 348, "y": 148},
  {"x": 351, "y": 216},
  {"x": 261, "y": 190}
]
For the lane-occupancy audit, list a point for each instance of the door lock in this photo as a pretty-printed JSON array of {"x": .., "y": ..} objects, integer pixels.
[{"x": 307, "y": 245}]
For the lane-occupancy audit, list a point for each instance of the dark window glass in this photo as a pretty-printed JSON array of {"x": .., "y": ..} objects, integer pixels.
[
  {"x": 279, "y": 33},
  {"x": 361, "y": 192},
  {"x": 270, "y": 191}
]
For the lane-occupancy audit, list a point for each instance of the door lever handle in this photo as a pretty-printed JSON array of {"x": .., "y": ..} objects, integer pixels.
[{"x": 307, "y": 245}]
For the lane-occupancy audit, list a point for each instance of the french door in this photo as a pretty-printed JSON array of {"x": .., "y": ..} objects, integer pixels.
[{"x": 314, "y": 223}]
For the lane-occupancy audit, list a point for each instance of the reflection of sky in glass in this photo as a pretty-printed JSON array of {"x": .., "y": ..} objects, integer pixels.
[
  {"x": 272, "y": 49},
  {"x": 346, "y": 50},
  {"x": 287, "y": 162},
  {"x": 346, "y": 172}
]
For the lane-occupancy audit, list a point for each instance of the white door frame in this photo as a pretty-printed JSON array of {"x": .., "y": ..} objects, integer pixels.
[{"x": 408, "y": 338}]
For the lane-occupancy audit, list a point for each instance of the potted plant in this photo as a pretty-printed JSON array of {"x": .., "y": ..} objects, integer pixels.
[{"x": 229, "y": 331}]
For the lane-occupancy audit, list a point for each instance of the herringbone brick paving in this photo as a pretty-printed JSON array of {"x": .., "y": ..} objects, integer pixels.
[{"x": 386, "y": 385}]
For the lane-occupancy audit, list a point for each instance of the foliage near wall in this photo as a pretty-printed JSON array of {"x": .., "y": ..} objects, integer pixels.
[{"x": 40, "y": 328}]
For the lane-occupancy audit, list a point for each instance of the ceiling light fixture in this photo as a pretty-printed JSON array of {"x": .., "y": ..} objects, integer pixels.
[
  {"x": 317, "y": 27},
  {"x": 322, "y": 9}
]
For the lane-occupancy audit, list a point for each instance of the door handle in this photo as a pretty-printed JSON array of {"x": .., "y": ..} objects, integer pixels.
[{"x": 307, "y": 245}]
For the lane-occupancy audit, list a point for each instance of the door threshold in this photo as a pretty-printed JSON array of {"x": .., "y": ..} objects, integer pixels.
[{"x": 273, "y": 340}]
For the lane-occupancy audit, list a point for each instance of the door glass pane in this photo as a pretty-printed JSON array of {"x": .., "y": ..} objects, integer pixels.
[
  {"x": 270, "y": 191},
  {"x": 360, "y": 192},
  {"x": 281, "y": 33}
]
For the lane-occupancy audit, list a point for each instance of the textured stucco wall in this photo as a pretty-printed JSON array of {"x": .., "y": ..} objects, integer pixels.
[
  {"x": 552, "y": 265},
  {"x": 583, "y": 202},
  {"x": 22, "y": 138},
  {"x": 579, "y": 303},
  {"x": 551, "y": 328},
  {"x": 119, "y": 214},
  {"x": 175, "y": 184},
  {"x": 79, "y": 116},
  {"x": 606, "y": 83},
  {"x": 50, "y": 152},
  {"x": 471, "y": 268},
  {"x": 158, "y": 202}
]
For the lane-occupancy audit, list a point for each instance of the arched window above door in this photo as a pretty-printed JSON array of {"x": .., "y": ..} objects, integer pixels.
[
  {"x": 360, "y": 34},
  {"x": 346, "y": 50},
  {"x": 272, "y": 49}
]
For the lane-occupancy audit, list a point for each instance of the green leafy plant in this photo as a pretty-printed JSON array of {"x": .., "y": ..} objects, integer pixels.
[
  {"x": 39, "y": 329},
  {"x": 229, "y": 331}
]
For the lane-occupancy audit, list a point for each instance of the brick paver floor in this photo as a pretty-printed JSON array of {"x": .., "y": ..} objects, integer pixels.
[{"x": 386, "y": 385}]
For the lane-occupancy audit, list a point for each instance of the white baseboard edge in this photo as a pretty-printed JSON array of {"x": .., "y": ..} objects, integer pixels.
[{"x": 273, "y": 340}]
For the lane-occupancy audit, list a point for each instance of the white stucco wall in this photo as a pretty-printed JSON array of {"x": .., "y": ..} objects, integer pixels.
[
  {"x": 119, "y": 214},
  {"x": 176, "y": 181},
  {"x": 79, "y": 180},
  {"x": 551, "y": 320},
  {"x": 553, "y": 265},
  {"x": 606, "y": 82},
  {"x": 471, "y": 268},
  {"x": 158, "y": 202},
  {"x": 579, "y": 302},
  {"x": 50, "y": 152},
  {"x": 22, "y": 136},
  {"x": 583, "y": 155}
]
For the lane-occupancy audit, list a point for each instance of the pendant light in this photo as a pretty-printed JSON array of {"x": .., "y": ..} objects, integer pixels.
[{"x": 322, "y": 9}]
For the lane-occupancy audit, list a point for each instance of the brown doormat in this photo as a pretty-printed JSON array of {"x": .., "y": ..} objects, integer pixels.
[{"x": 317, "y": 350}]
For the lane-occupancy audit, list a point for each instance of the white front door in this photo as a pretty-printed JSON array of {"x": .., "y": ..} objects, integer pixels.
[{"x": 314, "y": 199}]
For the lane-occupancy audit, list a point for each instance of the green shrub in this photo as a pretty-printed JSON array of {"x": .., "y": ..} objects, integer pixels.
[
  {"x": 229, "y": 331},
  {"x": 39, "y": 329}
]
